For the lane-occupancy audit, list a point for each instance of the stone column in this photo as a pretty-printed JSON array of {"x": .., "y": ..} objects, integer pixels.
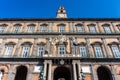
[
  {"x": 88, "y": 48},
  {"x": 45, "y": 70},
  {"x": 50, "y": 69},
  {"x": 83, "y": 27},
  {"x": 94, "y": 73},
  {"x": 74, "y": 71},
  {"x": 11, "y": 73},
  {"x": 114, "y": 74},
  {"x": 29, "y": 73},
  {"x": 106, "y": 48}
]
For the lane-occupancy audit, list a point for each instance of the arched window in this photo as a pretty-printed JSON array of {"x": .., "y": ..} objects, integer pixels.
[
  {"x": 104, "y": 73},
  {"x": 21, "y": 73}
]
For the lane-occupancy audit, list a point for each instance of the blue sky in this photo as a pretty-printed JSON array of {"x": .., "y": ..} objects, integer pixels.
[{"x": 48, "y": 8}]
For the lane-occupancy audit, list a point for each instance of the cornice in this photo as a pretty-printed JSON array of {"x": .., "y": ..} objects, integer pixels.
[{"x": 59, "y": 19}]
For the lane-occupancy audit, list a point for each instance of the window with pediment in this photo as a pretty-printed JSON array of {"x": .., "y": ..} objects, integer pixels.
[
  {"x": 2, "y": 28},
  {"x": 92, "y": 28},
  {"x": 106, "y": 28},
  {"x": 16, "y": 28},
  {"x": 115, "y": 49},
  {"x": 41, "y": 49},
  {"x": 98, "y": 49},
  {"x": 26, "y": 49},
  {"x": 61, "y": 28},
  {"x": 31, "y": 28},
  {"x": 82, "y": 48},
  {"x": 9, "y": 49},
  {"x": 44, "y": 27},
  {"x": 79, "y": 27}
]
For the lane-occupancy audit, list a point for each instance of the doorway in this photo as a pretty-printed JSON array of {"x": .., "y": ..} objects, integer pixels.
[{"x": 62, "y": 73}]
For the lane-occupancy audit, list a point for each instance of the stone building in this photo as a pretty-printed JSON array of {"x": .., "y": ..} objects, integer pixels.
[{"x": 60, "y": 48}]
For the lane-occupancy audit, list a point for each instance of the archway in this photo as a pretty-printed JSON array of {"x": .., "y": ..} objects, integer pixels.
[
  {"x": 21, "y": 73},
  {"x": 62, "y": 73},
  {"x": 104, "y": 73}
]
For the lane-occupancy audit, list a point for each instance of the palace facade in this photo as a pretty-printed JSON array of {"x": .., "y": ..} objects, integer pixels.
[{"x": 60, "y": 48}]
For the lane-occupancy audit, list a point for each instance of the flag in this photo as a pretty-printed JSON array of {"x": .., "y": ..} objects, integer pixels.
[{"x": 74, "y": 43}]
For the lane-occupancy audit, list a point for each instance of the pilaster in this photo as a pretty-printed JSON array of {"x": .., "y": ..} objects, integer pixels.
[
  {"x": 106, "y": 48},
  {"x": 34, "y": 53},
  {"x": 114, "y": 74},
  {"x": 94, "y": 73},
  {"x": 29, "y": 74},
  {"x": 11, "y": 73}
]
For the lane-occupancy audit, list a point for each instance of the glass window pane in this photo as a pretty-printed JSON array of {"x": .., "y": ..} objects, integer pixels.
[{"x": 98, "y": 51}]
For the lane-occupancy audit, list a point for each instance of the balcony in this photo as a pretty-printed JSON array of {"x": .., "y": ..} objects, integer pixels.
[{"x": 25, "y": 32}]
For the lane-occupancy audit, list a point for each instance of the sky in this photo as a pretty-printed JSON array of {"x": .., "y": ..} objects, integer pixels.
[{"x": 48, "y": 8}]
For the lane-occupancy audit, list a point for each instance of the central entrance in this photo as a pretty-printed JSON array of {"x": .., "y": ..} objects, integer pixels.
[{"x": 62, "y": 73}]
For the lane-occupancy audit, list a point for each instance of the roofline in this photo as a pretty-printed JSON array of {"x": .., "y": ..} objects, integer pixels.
[{"x": 59, "y": 19}]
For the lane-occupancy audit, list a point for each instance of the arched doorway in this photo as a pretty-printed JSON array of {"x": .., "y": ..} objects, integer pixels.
[
  {"x": 21, "y": 73},
  {"x": 104, "y": 73},
  {"x": 62, "y": 73}
]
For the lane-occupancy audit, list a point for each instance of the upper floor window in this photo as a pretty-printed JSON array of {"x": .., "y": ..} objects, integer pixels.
[
  {"x": 83, "y": 50},
  {"x": 41, "y": 50},
  {"x": 107, "y": 29},
  {"x": 98, "y": 51},
  {"x": 79, "y": 27},
  {"x": 61, "y": 50},
  {"x": 61, "y": 28},
  {"x": 26, "y": 49},
  {"x": 31, "y": 28},
  {"x": 92, "y": 28},
  {"x": 115, "y": 51},
  {"x": 44, "y": 29},
  {"x": 9, "y": 49},
  {"x": 2, "y": 28},
  {"x": 16, "y": 28}
]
